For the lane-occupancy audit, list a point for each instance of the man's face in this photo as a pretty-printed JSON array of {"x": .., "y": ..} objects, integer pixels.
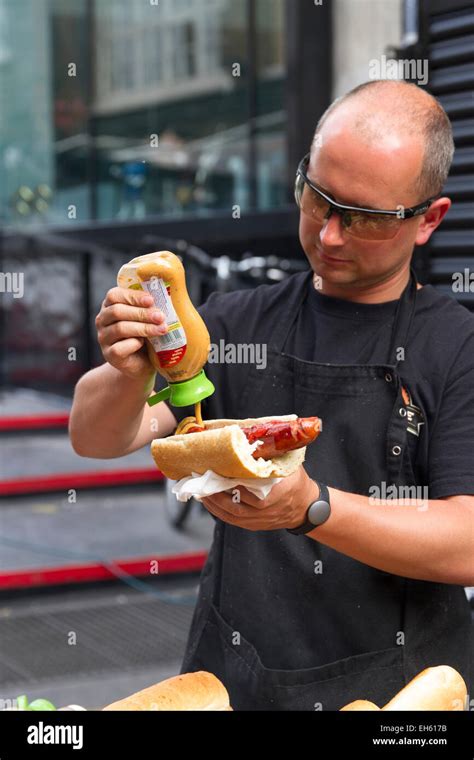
[{"x": 378, "y": 174}]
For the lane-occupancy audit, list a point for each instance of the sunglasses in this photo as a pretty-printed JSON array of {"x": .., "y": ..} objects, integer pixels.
[{"x": 364, "y": 223}]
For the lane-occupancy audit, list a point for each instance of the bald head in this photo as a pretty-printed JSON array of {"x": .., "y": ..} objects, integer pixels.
[{"x": 387, "y": 112}]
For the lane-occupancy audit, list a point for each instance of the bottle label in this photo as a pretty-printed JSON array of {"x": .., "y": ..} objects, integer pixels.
[{"x": 171, "y": 347}]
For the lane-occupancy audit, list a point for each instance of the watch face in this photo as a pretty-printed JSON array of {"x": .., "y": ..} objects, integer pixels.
[{"x": 319, "y": 512}]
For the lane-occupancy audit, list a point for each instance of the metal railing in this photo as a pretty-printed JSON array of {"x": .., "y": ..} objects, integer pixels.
[{"x": 27, "y": 363}]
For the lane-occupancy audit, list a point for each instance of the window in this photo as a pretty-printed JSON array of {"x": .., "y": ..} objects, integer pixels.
[{"x": 160, "y": 126}]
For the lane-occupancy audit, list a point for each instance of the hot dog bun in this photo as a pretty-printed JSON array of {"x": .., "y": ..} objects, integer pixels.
[
  {"x": 439, "y": 688},
  {"x": 223, "y": 448},
  {"x": 359, "y": 705},
  {"x": 191, "y": 691}
]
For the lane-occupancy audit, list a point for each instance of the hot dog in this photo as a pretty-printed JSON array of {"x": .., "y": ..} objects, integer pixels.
[
  {"x": 275, "y": 437},
  {"x": 261, "y": 447}
]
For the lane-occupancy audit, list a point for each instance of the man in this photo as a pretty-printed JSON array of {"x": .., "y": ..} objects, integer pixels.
[{"x": 368, "y": 591}]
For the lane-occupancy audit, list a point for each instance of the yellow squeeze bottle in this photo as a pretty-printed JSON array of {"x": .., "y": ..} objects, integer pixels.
[{"x": 179, "y": 355}]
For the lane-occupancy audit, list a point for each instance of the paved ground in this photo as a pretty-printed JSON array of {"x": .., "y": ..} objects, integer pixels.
[
  {"x": 113, "y": 523},
  {"x": 47, "y": 531},
  {"x": 23, "y": 401},
  {"x": 28, "y": 454},
  {"x": 91, "y": 646}
]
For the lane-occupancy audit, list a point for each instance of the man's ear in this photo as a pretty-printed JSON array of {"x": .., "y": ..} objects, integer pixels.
[{"x": 432, "y": 219}]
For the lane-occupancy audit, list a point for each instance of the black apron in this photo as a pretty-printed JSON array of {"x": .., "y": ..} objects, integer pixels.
[{"x": 287, "y": 623}]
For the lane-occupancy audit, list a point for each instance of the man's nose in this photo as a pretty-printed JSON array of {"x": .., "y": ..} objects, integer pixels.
[{"x": 332, "y": 232}]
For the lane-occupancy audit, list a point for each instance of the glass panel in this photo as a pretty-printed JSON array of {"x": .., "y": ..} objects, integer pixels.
[
  {"x": 43, "y": 111},
  {"x": 167, "y": 105},
  {"x": 271, "y": 121},
  {"x": 70, "y": 55},
  {"x": 172, "y": 119}
]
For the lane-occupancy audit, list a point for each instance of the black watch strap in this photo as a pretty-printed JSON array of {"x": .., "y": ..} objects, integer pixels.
[{"x": 317, "y": 512}]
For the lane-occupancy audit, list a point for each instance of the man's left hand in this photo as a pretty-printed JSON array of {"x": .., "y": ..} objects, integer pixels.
[{"x": 284, "y": 507}]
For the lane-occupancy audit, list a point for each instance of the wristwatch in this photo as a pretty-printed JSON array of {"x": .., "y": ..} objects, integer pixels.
[{"x": 317, "y": 513}]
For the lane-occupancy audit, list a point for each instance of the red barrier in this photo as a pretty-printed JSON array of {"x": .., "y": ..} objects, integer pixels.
[
  {"x": 77, "y": 480},
  {"x": 34, "y": 422},
  {"x": 88, "y": 572}
]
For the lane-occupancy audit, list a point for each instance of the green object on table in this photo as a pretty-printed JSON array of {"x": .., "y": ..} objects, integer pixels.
[
  {"x": 37, "y": 704},
  {"x": 41, "y": 704},
  {"x": 22, "y": 702}
]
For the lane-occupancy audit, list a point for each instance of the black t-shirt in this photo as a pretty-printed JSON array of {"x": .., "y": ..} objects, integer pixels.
[{"x": 437, "y": 371}]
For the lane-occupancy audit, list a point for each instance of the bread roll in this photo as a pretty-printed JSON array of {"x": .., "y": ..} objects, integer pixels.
[
  {"x": 440, "y": 688},
  {"x": 360, "y": 704},
  {"x": 191, "y": 691},
  {"x": 223, "y": 448}
]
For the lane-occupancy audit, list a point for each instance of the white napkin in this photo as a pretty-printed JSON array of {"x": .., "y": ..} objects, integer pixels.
[{"x": 204, "y": 485}]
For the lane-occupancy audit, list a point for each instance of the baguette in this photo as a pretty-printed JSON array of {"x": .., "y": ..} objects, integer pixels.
[
  {"x": 223, "y": 448},
  {"x": 191, "y": 691}
]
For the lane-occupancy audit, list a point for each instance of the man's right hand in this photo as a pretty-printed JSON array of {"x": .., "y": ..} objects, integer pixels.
[{"x": 125, "y": 319}]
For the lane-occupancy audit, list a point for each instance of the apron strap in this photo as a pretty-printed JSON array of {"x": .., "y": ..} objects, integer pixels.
[
  {"x": 403, "y": 319},
  {"x": 289, "y": 312}
]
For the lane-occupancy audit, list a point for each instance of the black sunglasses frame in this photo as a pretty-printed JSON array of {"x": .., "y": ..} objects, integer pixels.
[{"x": 407, "y": 213}]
